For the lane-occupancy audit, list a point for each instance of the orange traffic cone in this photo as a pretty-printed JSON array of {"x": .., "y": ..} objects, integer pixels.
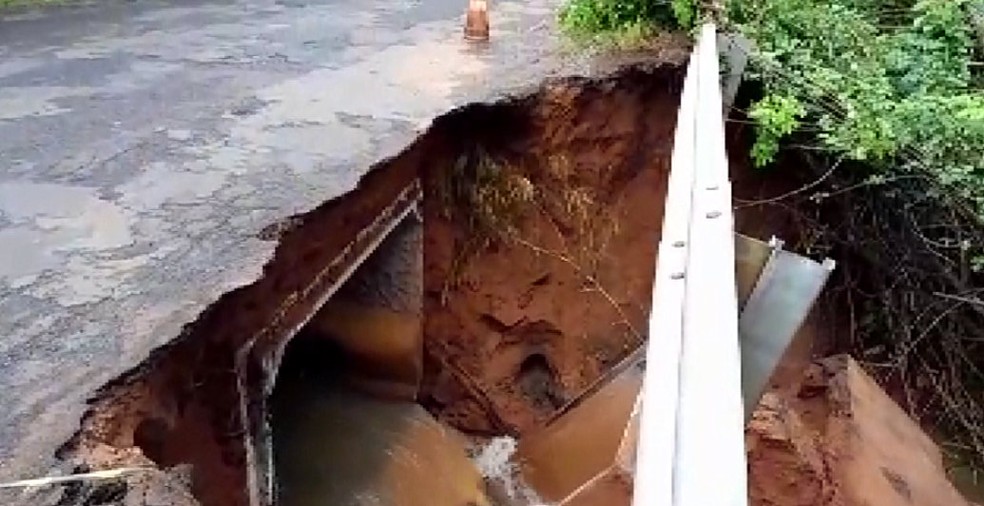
[{"x": 477, "y": 21}]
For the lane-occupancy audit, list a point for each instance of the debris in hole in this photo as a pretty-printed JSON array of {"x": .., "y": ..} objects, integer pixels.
[
  {"x": 540, "y": 274},
  {"x": 537, "y": 382},
  {"x": 184, "y": 404}
]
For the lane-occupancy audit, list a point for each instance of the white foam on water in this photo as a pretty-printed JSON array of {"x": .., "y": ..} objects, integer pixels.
[{"x": 494, "y": 461}]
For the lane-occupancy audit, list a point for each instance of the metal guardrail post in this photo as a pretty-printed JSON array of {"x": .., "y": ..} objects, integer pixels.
[{"x": 691, "y": 444}]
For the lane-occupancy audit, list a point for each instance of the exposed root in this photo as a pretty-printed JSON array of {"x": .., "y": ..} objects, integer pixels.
[
  {"x": 594, "y": 284},
  {"x": 540, "y": 242},
  {"x": 199, "y": 403}
]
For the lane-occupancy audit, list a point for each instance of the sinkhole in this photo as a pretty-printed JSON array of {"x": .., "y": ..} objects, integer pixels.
[{"x": 416, "y": 341}]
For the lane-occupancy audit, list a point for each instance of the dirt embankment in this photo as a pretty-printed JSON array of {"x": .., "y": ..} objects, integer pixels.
[
  {"x": 542, "y": 216},
  {"x": 539, "y": 247},
  {"x": 827, "y": 433},
  {"x": 832, "y": 437},
  {"x": 527, "y": 328}
]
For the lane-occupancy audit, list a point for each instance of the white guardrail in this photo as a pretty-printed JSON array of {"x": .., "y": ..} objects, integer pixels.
[{"x": 691, "y": 449}]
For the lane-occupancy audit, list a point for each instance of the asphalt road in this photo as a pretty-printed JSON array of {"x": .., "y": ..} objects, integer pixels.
[{"x": 143, "y": 145}]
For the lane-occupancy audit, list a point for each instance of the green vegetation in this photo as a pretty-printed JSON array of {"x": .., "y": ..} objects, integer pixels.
[
  {"x": 878, "y": 105},
  {"x": 487, "y": 197},
  {"x": 15, "y": 4},
  {"x": 889, "y": 83},
  {"x": 889, "y": 92},
  {"x": 490, "y": 198},
  {"x": 625, "y": 22}
]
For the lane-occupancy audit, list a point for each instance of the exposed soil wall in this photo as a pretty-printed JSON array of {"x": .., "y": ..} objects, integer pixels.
[
  {"x": 833, "y": 437},
  {"x": 182, "y": 405},
  {"x": 530, "y": 330},
  {"x": 531, "y": 305},
  {"x": 542, "y": 216}
]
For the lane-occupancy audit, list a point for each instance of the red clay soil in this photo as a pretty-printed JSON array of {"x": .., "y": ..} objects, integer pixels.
[
  {"x": 182, "y": 405},
  {"x": 531, "y": 319},
  {"x": 515, "y": 321},
  {"x": 835, "y": 438},
  {"x": 517, "y": 324},
  {"x": 827, "y": 433}
]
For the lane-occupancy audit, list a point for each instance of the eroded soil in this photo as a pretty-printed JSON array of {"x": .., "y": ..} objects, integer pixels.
[
  {"x": 833, "y": 437},
  {"x": 530, "y": 309},
  {"x": 510, "y": 335},
  {"x": 524, "y": 308}
]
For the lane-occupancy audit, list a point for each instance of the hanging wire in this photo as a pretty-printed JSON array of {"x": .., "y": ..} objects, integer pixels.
[{"x": 95, "y": 475}]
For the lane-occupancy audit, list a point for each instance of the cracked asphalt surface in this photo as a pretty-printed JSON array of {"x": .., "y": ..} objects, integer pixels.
[{"x": 144, "y": 145}]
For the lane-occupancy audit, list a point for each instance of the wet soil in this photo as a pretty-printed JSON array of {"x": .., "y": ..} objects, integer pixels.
[
  {"x": 520, "y": 315},
  {"x": 554, "y": 298},
  {"x": 833, "y": 437},
  {"x": 509, "y": 336}
]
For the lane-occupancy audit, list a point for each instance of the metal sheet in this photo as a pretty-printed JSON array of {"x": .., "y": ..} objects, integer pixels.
[
  {"x": 734, "y": 50},
  {"x": 783, "y": 296},
  {"x": 751, "y": 255}
]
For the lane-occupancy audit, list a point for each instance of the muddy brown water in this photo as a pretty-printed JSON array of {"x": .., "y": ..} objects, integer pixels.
[
  {"x": 346, "y": 428},
  {"x": 337, "y": 446},
  {"x": 582, "y": 443}
]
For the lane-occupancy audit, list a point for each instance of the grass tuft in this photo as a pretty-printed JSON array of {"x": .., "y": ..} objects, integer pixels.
[{"x": 625, "y": 23}]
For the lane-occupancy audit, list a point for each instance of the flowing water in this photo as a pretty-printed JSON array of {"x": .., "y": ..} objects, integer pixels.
[
  {"x": 584, "y": 443},
  {"x": 337, "y": 447}
]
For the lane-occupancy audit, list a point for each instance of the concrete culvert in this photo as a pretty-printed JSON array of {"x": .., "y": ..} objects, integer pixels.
[{"x": 528, "y": 277}]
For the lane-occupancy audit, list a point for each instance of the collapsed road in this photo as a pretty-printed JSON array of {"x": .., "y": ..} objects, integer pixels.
[
  {"x": 153, "y": 156},
  {"x": 267, "y": 253}
]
